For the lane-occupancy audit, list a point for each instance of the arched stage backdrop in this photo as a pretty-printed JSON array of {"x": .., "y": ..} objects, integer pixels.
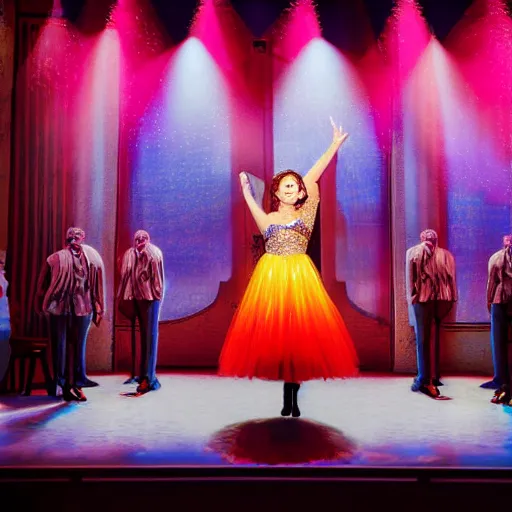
[{"x": 125, "y": 126}]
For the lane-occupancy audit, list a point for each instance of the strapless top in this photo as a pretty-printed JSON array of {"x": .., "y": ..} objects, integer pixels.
[{"x": 292, "y": 238}]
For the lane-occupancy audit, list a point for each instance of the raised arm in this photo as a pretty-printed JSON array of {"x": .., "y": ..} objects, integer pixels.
[
  {"x": 259, "y": 216},
  {"x": 314, "y": 174}
]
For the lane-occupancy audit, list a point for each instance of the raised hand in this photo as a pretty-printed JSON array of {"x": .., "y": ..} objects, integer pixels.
[
  {"x": 338, "y": 136},
  {"x": 259, "y": 216},
  {"x": 244, "y": 181}
]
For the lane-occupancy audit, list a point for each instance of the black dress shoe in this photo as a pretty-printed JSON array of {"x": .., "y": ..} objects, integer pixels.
[
  {"x": 437, "y": 382},
  {"x": 88, "y": 383}
]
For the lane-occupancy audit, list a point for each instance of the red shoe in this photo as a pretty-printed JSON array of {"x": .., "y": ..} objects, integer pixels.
[
  {"x": 143, "y": 387},
  {"x": 73, "y": 394},
  {"x": 80, "y": 397},
  {"x": 430, "y": 391},
  {"x": 501, "y": 396}
]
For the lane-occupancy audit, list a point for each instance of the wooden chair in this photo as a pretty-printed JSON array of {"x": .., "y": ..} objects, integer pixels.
[{"x": 33, "y": 349}]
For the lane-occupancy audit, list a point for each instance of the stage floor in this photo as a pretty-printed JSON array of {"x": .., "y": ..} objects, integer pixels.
[{"x": 204, "y": 420}]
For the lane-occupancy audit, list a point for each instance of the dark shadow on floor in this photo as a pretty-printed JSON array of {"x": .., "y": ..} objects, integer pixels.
[{"x": 281, "y": 441}]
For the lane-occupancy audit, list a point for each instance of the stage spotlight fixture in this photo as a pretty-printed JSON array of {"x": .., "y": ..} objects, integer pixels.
[
  {"x": 260, "y": 45},
  {"x": 71, "y": 9}
]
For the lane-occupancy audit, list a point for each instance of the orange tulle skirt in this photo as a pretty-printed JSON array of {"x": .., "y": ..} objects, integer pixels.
[{"x": 287, "y": 328}]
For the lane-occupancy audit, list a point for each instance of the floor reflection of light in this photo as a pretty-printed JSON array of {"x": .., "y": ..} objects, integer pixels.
[
  {"x": 16, "y": 414},
  {"x": 174, "y": 425}
]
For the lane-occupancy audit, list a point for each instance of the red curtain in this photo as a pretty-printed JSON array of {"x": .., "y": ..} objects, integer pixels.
[{"x": 40, "y": 192}]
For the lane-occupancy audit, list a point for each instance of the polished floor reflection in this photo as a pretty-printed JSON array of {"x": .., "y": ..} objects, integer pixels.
[{"x": 201, "y": 419}]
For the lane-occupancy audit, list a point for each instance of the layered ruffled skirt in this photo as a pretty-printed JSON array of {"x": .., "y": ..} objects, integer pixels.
[{"x": 286, "y": 327}]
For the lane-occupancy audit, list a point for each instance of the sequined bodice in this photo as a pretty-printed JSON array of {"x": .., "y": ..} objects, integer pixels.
[{"x": 292, "y": 238}]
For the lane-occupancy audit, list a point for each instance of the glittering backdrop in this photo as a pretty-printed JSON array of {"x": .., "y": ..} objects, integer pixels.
[
  {"x": 450, "y": 158},
  {"x": 475, "y": 83},
  {"x": 184, "y": 104},
  {"x": 95, "y": 127},
  {"x": 181, "y": 179},
  {"x": 178, "y": 154},
  {"x": 315, "y": 80},
  {"x": 456, "y": 133}
]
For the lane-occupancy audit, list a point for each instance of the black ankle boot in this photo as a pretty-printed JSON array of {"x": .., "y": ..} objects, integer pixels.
[
  {"x": 287, "y": 399},
  {"x": 295, "y": 404}
]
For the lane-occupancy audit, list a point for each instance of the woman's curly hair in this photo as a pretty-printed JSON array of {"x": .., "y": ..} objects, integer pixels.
[{"x": 276, "y": 180}]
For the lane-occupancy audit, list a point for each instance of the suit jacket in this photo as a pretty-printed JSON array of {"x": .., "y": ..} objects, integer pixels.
[
  {"x": 499, "y": 279},
  {"x": 56, "y": 279},
  {"x": 429, "y": 276},
  {"x": 154, "y": 289}
]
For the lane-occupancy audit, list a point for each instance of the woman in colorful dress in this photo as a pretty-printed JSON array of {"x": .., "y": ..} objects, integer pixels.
[{"x": 287, "y": 328}]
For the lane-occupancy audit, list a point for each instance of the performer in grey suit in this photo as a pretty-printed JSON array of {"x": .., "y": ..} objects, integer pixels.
[
  {"x": 499, "y": 303},
  {"x": 431, "y": 294},
  {"x": 140, "y": 293},
  {"x": 70, "y": 291}
]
